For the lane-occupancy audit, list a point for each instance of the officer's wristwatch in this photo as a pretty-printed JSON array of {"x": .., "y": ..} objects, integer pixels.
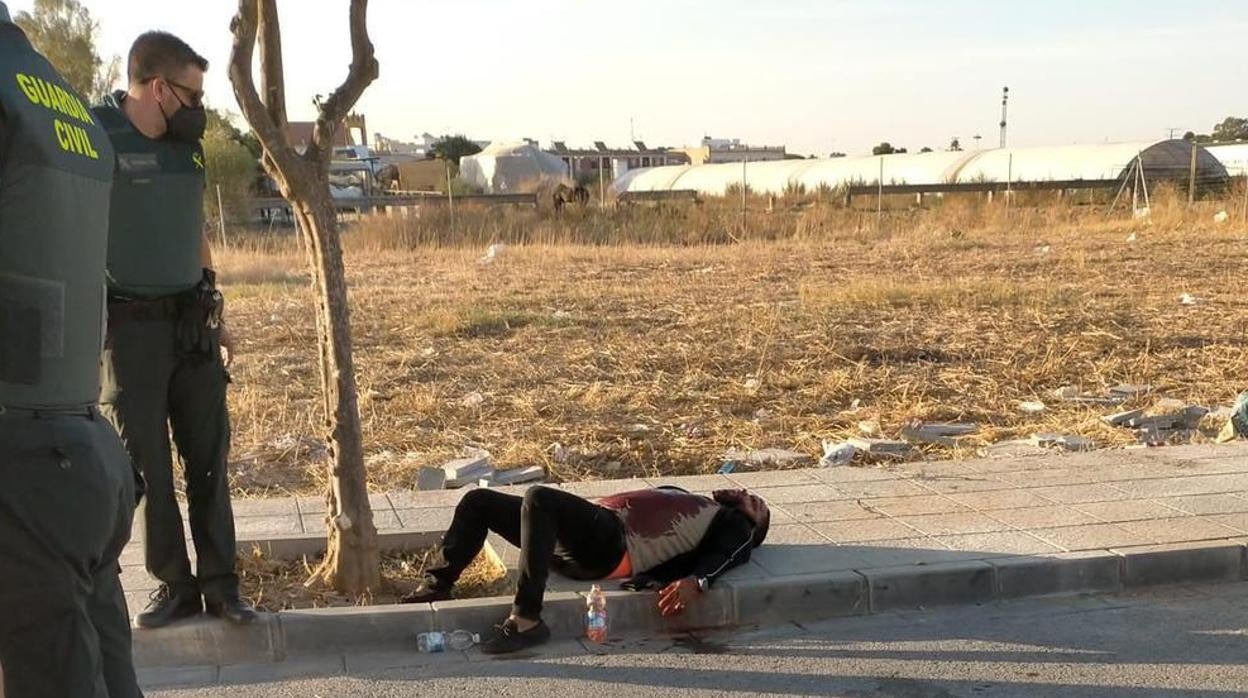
[{"x": 703, "y": 584}]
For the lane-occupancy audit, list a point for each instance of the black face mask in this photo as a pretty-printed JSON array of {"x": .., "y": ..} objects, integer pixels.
[{"x": 187, "y": 124}]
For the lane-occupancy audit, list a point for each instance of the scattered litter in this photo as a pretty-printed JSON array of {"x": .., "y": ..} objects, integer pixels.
[
  {"x": 753, "y": 384},
  {"x": 559, "y": 454},
  {"x": 1044, "y": 249},
  {"x": 1072, "y": 394},
  {"x": 1131, "y": 391},
  {"x": 881, "y": 447},
  {"x": 492, "y": 252},
  {"x": 869, "y": 427},
  {"x": 430, "y": 479},
  {"x": 639, "y": 428},
  {"x": 1221, "y": 217},
  {"x": 835, "y": 454},
  {"x": 944, "y": 434},
  {"x": 777, "y": 457},
  {"x": 1032, "y": 407},
  {"x": 1188, "y": 299},
  {"x": 428, "y": 352},
  {"x": 1236, "y": 422},
  {"x": 1142, "y": 212},
  {"x": 763, "y": 414},
  {"x": 1068, "y": 442},
  {"x": 727, "y": 468},
  {"x": 1131, "y": 237},
  {"x": 692, "y": 431},
  {"x": 855, "y": 404},
  {"x": 473, "y": 400},
  {"x": 562, "y": 315}
]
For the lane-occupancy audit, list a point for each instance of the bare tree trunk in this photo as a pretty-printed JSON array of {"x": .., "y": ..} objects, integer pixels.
[{"x": 352, "y": 562}]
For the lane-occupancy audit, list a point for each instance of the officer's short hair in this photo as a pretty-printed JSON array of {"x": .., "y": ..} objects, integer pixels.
[{"x": 161, "y": 54}]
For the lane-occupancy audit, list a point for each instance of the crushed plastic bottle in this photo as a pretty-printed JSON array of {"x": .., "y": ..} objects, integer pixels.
[
  {"x": 596, "y": 615},
  {"x": 436, "y": 641}
]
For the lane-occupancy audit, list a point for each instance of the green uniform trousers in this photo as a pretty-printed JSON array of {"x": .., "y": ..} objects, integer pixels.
[
  {"x": 66, "y": 505},
  {"x": 150, "y": 387}
]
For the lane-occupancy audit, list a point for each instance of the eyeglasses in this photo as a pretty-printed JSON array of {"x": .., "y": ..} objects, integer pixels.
[{"x": 197, "y": 96}]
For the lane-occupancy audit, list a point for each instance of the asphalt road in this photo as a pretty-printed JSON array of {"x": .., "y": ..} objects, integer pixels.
[{"x": 1190, "y": 641}]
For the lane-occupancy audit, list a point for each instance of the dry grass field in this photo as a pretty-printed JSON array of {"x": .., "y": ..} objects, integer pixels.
[{"x": 648, "y": 342}]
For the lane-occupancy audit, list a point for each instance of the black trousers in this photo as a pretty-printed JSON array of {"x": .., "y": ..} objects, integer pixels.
[
  {"x": 553, "y": 529},
  {"x": 66, "y": 503},
  {"x": 148, "y": 388}
]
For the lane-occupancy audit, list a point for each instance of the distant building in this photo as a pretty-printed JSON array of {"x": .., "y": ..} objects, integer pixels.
[
  {"x": 587, "y": 163},
  {"x": 352, "y": 131},
  {"x": 420, "y": 146},
  {"x": 719, "y": 150}
]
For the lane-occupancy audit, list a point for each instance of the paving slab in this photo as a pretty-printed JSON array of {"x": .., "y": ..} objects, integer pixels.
[
  {"x": 1208, "y": 503},
  {"x": 796, "y": 494},
  {"x": 948, "y": 524},
  {"x": 915, "y": 506},
  {"x": 1000, "y": 499},
  {"x": 426, "y": 519},
  {"x": 874, "y": 489},
  {"x": 1077, "y": 494},
  {"x": 284, "y": 506},
  {"x": 866, "y": 530},
  {"x": 816, "y": 512},
  {"x": 1089, "y": 537},
  {"x": 1127, "y": 510},
  {"x": 775, "y": 478},
  {"x": 998, "y": 544},
  {"x": 1189, "y": 528},
  {"x": 1049, "y": 516}
]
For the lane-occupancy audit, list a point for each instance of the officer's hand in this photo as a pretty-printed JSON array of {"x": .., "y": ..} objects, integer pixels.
[
  {"x": 227, "y": 346},
  {"x": 675, "y": 597}
]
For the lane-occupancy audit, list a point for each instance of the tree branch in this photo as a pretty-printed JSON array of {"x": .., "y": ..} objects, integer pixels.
[
  {"x": 272, "y": 138},
  {"x": 364, "y": 70},
  {"x": 272, "y": 74}
]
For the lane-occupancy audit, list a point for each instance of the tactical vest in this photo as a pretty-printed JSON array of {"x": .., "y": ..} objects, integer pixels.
[
  {"x": 56, "y": 169},
  {"x": 157, "y": 222}
]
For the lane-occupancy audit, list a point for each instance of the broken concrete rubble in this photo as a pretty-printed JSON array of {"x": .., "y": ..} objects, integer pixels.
[
  {"x": 1013, "y": 449},
  {"x": 431, "y": 479},
  {"x": 941, "y": 433},
  {"x": 467, "y": 470}
]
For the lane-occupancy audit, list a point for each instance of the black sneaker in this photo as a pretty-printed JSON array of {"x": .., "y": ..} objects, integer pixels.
[
  {"x": 507, "y": 638},
  {"x": 233, "y": 610},
  {"x": 167, "y": 606},
  {"x": 429, "y": 591}
]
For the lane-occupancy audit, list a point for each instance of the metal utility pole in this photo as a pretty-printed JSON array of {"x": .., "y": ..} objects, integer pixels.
[
  {"x": 879, "y": 197},
  {"x": 744, "y": 189},
  {"x": 602, "y": 183},
  {"x": 1191, "y": 180},
  {"x": 1005, "y": 103},
  {"x": 1009, "y": 185}
]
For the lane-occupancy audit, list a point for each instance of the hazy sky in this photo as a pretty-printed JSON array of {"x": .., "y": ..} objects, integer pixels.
[{"x": 815, "y": 75}]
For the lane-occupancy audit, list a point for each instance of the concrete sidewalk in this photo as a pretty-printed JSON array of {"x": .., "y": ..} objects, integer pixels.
[{"x": 843, "y": 541}]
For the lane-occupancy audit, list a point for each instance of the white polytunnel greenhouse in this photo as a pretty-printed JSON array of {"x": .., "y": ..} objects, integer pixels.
[
  {"x": 1090, "y": 163},
  {"x": 1233, "y": 156},
  {"x": 510, "y": 168}
]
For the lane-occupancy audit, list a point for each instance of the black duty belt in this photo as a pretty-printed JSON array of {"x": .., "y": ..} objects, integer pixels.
[
  {"x": 47, "y": 412},
  {"x": 127, "y": 310}
]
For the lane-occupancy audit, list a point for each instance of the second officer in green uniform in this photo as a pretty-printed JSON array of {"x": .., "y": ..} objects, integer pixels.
[{"x": 163, "y": 363}]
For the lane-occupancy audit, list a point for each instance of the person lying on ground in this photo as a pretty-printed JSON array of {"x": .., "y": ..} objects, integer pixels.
[{"x": 664, "y": 539}]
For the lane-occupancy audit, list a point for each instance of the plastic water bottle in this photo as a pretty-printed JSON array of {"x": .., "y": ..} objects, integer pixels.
[
  {"x": 436, "y": 641},
  {"x": 596, "y": 615}
]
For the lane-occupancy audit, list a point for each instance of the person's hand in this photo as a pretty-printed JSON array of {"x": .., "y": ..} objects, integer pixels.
[
  {"x": 227, "y": 345},
  {"x": 675, "y": 597}
]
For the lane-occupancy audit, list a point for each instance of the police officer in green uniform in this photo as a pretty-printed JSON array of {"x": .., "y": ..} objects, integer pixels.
[
  {"x": 66, "y": 483},
  {"x": 163, "y": 358}
]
